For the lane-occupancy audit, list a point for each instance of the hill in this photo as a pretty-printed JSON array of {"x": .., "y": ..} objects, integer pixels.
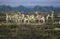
[{"x": 21, "y": 8}]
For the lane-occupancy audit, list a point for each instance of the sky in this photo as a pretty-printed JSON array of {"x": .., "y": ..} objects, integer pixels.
[{"x": 30, "y": 2}]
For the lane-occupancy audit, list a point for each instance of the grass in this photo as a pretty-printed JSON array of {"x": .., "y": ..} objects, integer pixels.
[{"x": 26, "y": 31}]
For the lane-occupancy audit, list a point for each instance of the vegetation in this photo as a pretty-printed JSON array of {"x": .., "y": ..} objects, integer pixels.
[{"x": 27, "y": 32}]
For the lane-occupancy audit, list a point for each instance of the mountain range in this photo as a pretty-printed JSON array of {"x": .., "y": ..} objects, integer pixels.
[{"x": 21, "y": 8}]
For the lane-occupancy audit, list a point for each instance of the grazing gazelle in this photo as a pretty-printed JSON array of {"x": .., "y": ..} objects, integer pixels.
[{"x": 43, "y": 19}]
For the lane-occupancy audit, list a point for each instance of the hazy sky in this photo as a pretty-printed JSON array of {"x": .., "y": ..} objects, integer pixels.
[{"x": 30, "y": 2}]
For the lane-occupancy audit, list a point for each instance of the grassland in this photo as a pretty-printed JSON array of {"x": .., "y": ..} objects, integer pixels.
[{"x": 28, "y": 31}]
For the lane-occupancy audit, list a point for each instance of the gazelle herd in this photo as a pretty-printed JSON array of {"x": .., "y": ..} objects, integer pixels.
[{"x": 22, "y": 18}]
